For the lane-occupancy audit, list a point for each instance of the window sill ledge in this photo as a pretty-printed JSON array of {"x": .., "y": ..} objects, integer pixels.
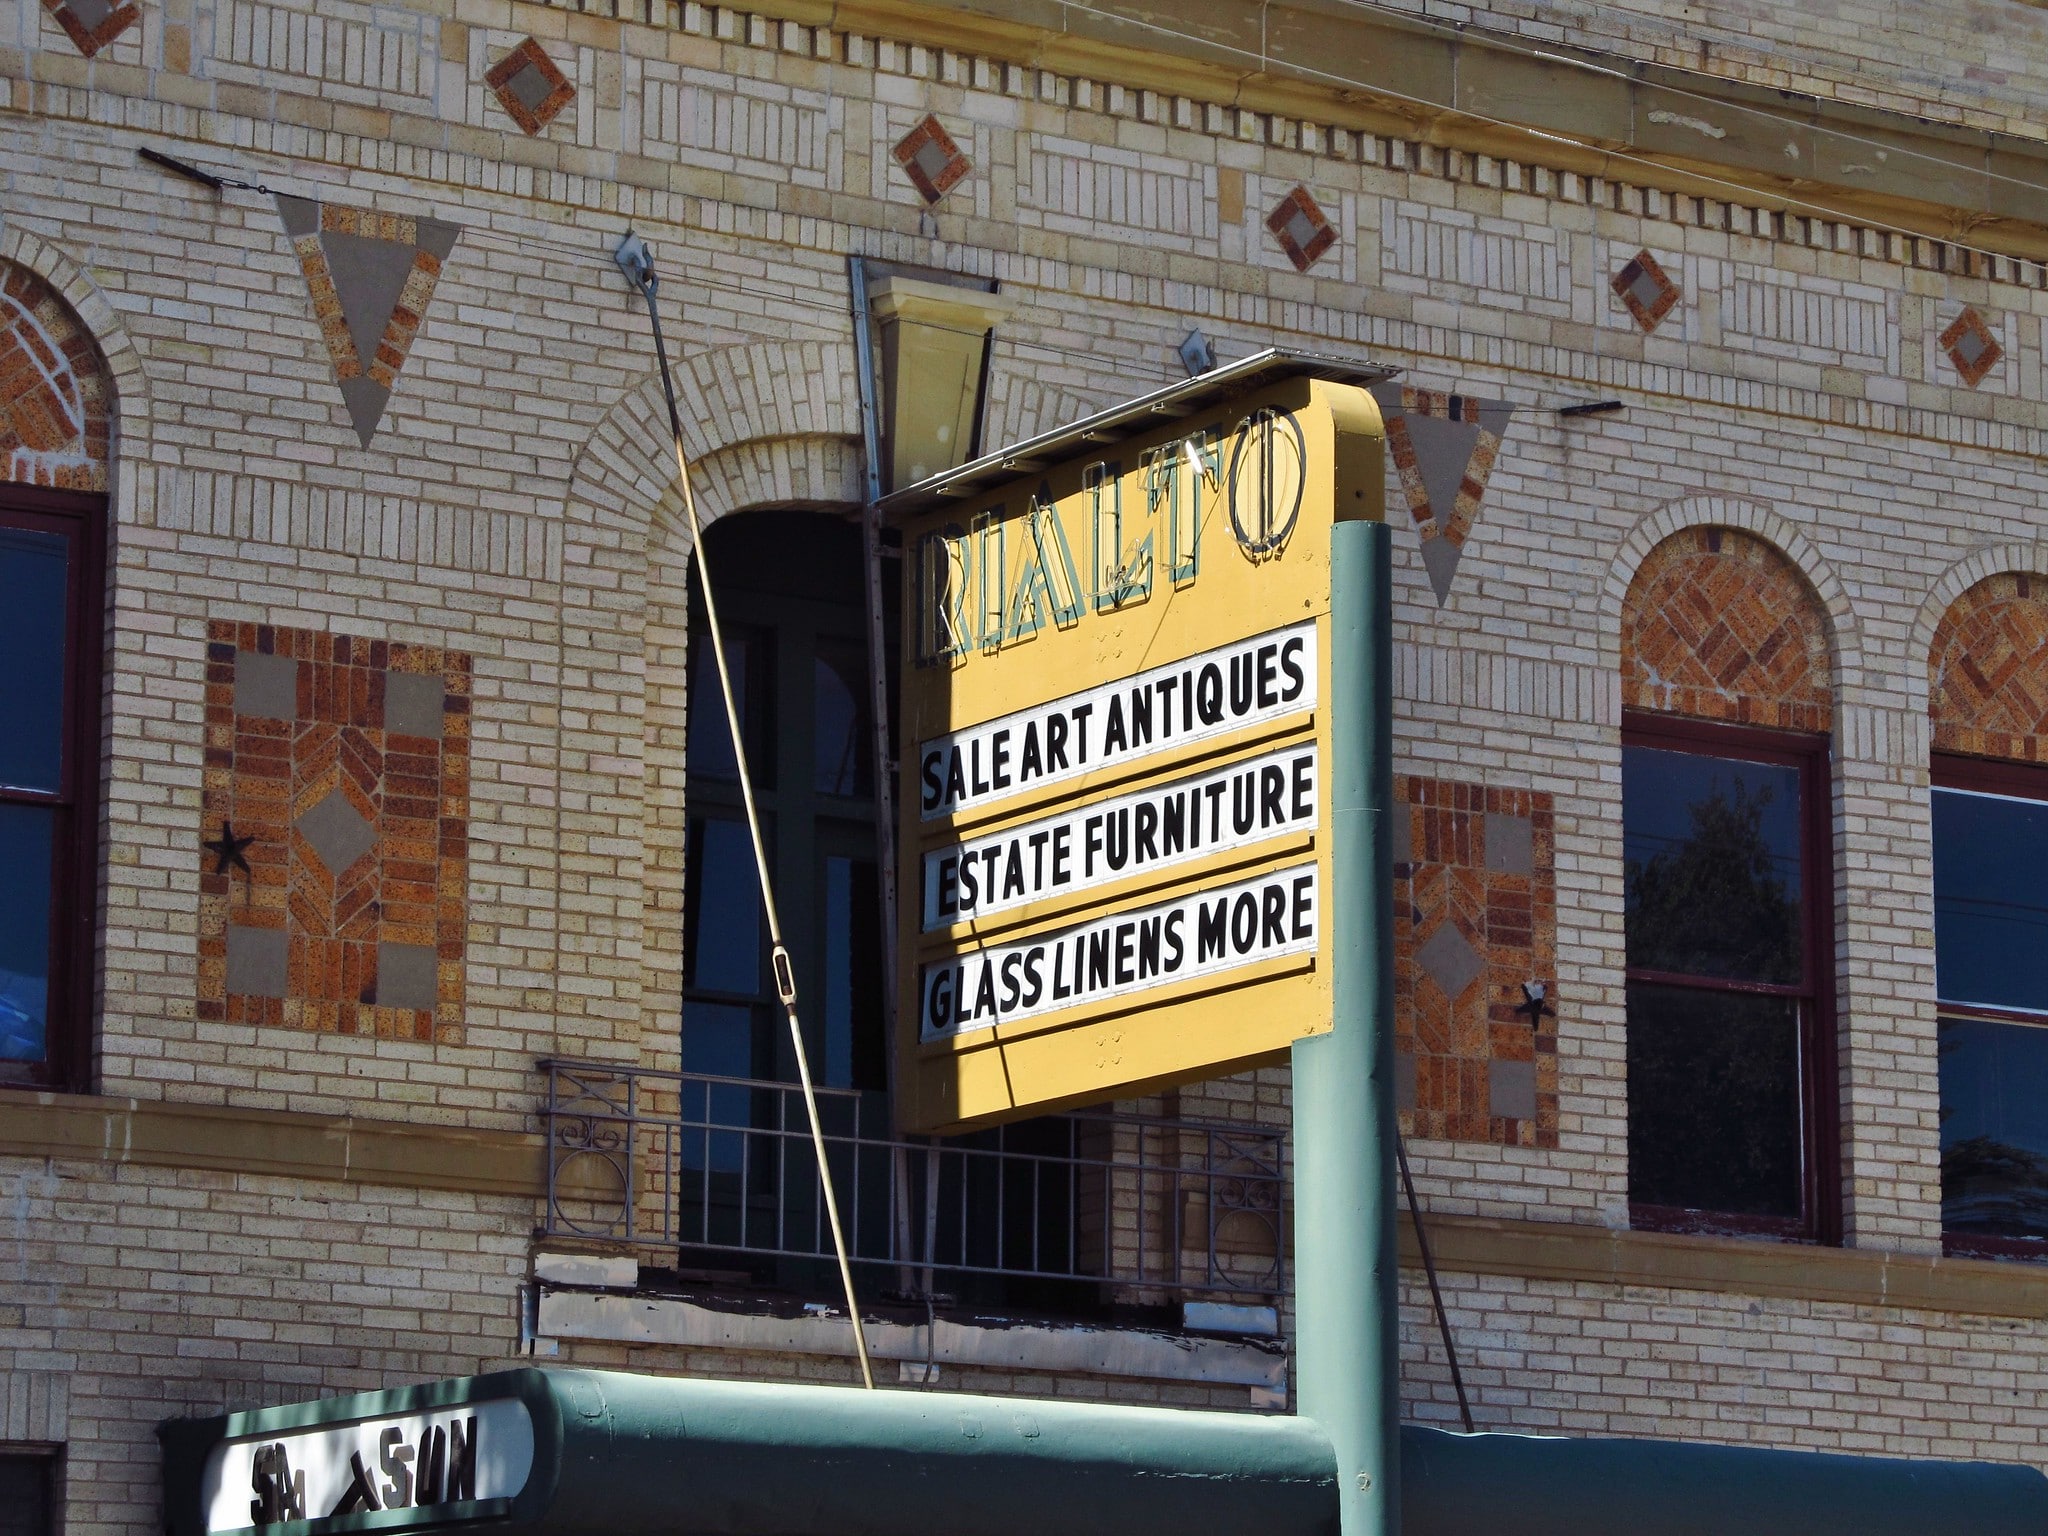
[
  {"x": 1077, "y": 1349},
  {"x": 1540, "y": 1250}
]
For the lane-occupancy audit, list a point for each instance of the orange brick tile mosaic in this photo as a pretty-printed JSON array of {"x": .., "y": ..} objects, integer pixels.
[
  {"x": 54, "y": 396},
  {"x": 1718, "y": 625},
  {"x": 1988, "y": 671},
  {"x": 337, "y": 798},
  {"x": 1475, "y": 919}
]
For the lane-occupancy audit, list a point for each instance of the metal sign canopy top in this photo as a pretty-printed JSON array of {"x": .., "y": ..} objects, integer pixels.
[{"x": 1183, "y": 397}]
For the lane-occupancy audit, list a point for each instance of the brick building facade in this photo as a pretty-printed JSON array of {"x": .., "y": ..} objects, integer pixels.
[{"x": 366, "y": 784}]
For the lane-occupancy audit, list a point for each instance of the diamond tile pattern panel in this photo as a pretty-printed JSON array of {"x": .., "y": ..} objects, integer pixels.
[
  {"x": 352, "y": 916},
  {"x": 92, "y": 24},
  {"x": 1719, "y": 626},
  {"x": 1971, "y": 347},
  {"x": 530, "y": 86},
  {"x": 1302, "y": 229},
  {"x": 1475, "y": 916},
  {"x": 930, "y": 158},
  {"x": 1988, "y": 671},
  {"x": 1645, "y": 290}
]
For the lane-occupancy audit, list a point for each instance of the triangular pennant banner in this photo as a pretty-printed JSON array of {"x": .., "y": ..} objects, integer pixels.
[
  {"x": 371, "y": 276},
  {"x": 1444, "y": 447}
]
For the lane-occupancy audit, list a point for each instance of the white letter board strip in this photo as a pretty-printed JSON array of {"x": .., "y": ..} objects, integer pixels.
[
  {"x": 1150, "y": 829},
  {"x": 1113, "y": 724},
  {"x": 1122, "y": 955}
]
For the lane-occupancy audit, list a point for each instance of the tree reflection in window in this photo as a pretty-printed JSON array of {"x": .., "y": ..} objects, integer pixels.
[{"x": 1719, "y": 996}]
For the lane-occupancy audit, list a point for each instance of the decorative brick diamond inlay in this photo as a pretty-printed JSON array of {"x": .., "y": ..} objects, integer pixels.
[
  {"x": 54, "y": 392},
  {"x": 1645, "y": 290},
  {"x": 1301, "y": 228},
  {"x": 529, "y": 86},
  {"x": 348, "y": 763},
  {"x": 1988, "y": 671},
  {"x": 931, "y": 159},
  {"x": 1475, "y": 918},
  {"x": 92, "y": 24},
  {"x": 1971, "y": 347},
  {"x": 1720, "y": 626}
]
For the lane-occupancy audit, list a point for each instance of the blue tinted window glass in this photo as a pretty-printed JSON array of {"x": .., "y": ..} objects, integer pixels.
[
  {"x": 843, "y": 746},
  {"x": 1994, "y": 1128},
  {"x": 710, "y": 732},
  {"x": 1990, "y": 900},
  {"x": 1712, "y": 865},
  {"x": 721, "y": 908},
  {"x": 34, "y": 570},
  {"x": 26, "y": 863}
]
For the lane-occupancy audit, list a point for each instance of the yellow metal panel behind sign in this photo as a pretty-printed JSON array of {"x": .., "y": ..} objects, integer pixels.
[{"x": 1114, "y": 865}]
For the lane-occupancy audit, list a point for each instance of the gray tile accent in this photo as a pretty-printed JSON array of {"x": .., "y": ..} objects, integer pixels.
[
  {"x": 301, "y": 215},
  {"x": 1646, "y": 289},
  {"x": 90, "y": 13},
  {"x": 1401, "y": 834},
  {"x": 369, "y": 275},
  {"x": 337, "y": 831},
  {"x": 258, "y": 961},
  {"x": 1301, "y": 229},
  {"x": 412, "y": 703},
  {"x": 266, "y": 685},
  {"x": 1510, "y": 844},
  {"x": 530, "y": 88},
  {"x": 1404, "y": 1080},
  {"x": 365, "y": 399},
  {"x": 1443, "y": 449},
  {"x": 932, "y": 159},
  {"x": 1970, "y": 347},
  {"x": 1440, "y": 558},
  {"x": 1511, "y": 1089},
  {"x": 406, "y": 976},
  {"x": 436, "y": 236},
  {"x": 1449, "y": 960}
]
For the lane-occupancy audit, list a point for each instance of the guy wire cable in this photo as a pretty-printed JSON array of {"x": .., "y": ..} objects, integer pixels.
[{"x": 636, "y": 260}]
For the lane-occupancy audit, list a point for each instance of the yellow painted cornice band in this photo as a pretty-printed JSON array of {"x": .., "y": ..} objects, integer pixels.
[{"x": 1640, "y": 124}]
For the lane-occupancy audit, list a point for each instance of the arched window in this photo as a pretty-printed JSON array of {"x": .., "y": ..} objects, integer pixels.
[
  {"x": 1727, "y": 703},
  {"x": 1988, "y": 699},
  {"x": 54, "y": 415},
  {"x": 789, "y": 588}
]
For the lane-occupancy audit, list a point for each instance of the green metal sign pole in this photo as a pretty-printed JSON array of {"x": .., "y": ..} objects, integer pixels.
[{"x": 1346, "y": 1274}]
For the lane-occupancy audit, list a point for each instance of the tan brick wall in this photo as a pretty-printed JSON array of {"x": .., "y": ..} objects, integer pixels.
[{"x": 515, "y": 507}]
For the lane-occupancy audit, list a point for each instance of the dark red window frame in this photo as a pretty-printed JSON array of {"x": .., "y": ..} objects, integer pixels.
[
  {"x": 74, "y": 886},
  {"x": 2022, "y": 781},
  {"x": 1819, "y": 1091}
]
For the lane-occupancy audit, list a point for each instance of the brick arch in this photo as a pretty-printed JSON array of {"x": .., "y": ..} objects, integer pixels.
[
  {"x": 1717, "y": 624},
  {"x": 1844, "y": 632},
  {"x": 1021, "y": 406},
  {"x": 1987, "y": 670},
  {"x": 70, "y": 380},
  {"x": 766, "y": 424},
  {"x": 56, "y": 401}
]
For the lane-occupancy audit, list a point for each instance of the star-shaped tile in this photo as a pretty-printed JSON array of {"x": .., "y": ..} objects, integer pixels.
[{"x": 230, "y": 851}]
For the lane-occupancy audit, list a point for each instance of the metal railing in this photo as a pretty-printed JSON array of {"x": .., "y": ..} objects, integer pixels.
[{"x": 717, "y": 1173}]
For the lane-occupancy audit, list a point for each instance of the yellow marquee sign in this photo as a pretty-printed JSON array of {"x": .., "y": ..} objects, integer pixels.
[{"x": 1114, "y": 852}]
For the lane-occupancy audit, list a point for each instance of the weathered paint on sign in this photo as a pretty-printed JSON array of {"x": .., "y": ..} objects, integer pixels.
[{"x": 1114, "y": 830}]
